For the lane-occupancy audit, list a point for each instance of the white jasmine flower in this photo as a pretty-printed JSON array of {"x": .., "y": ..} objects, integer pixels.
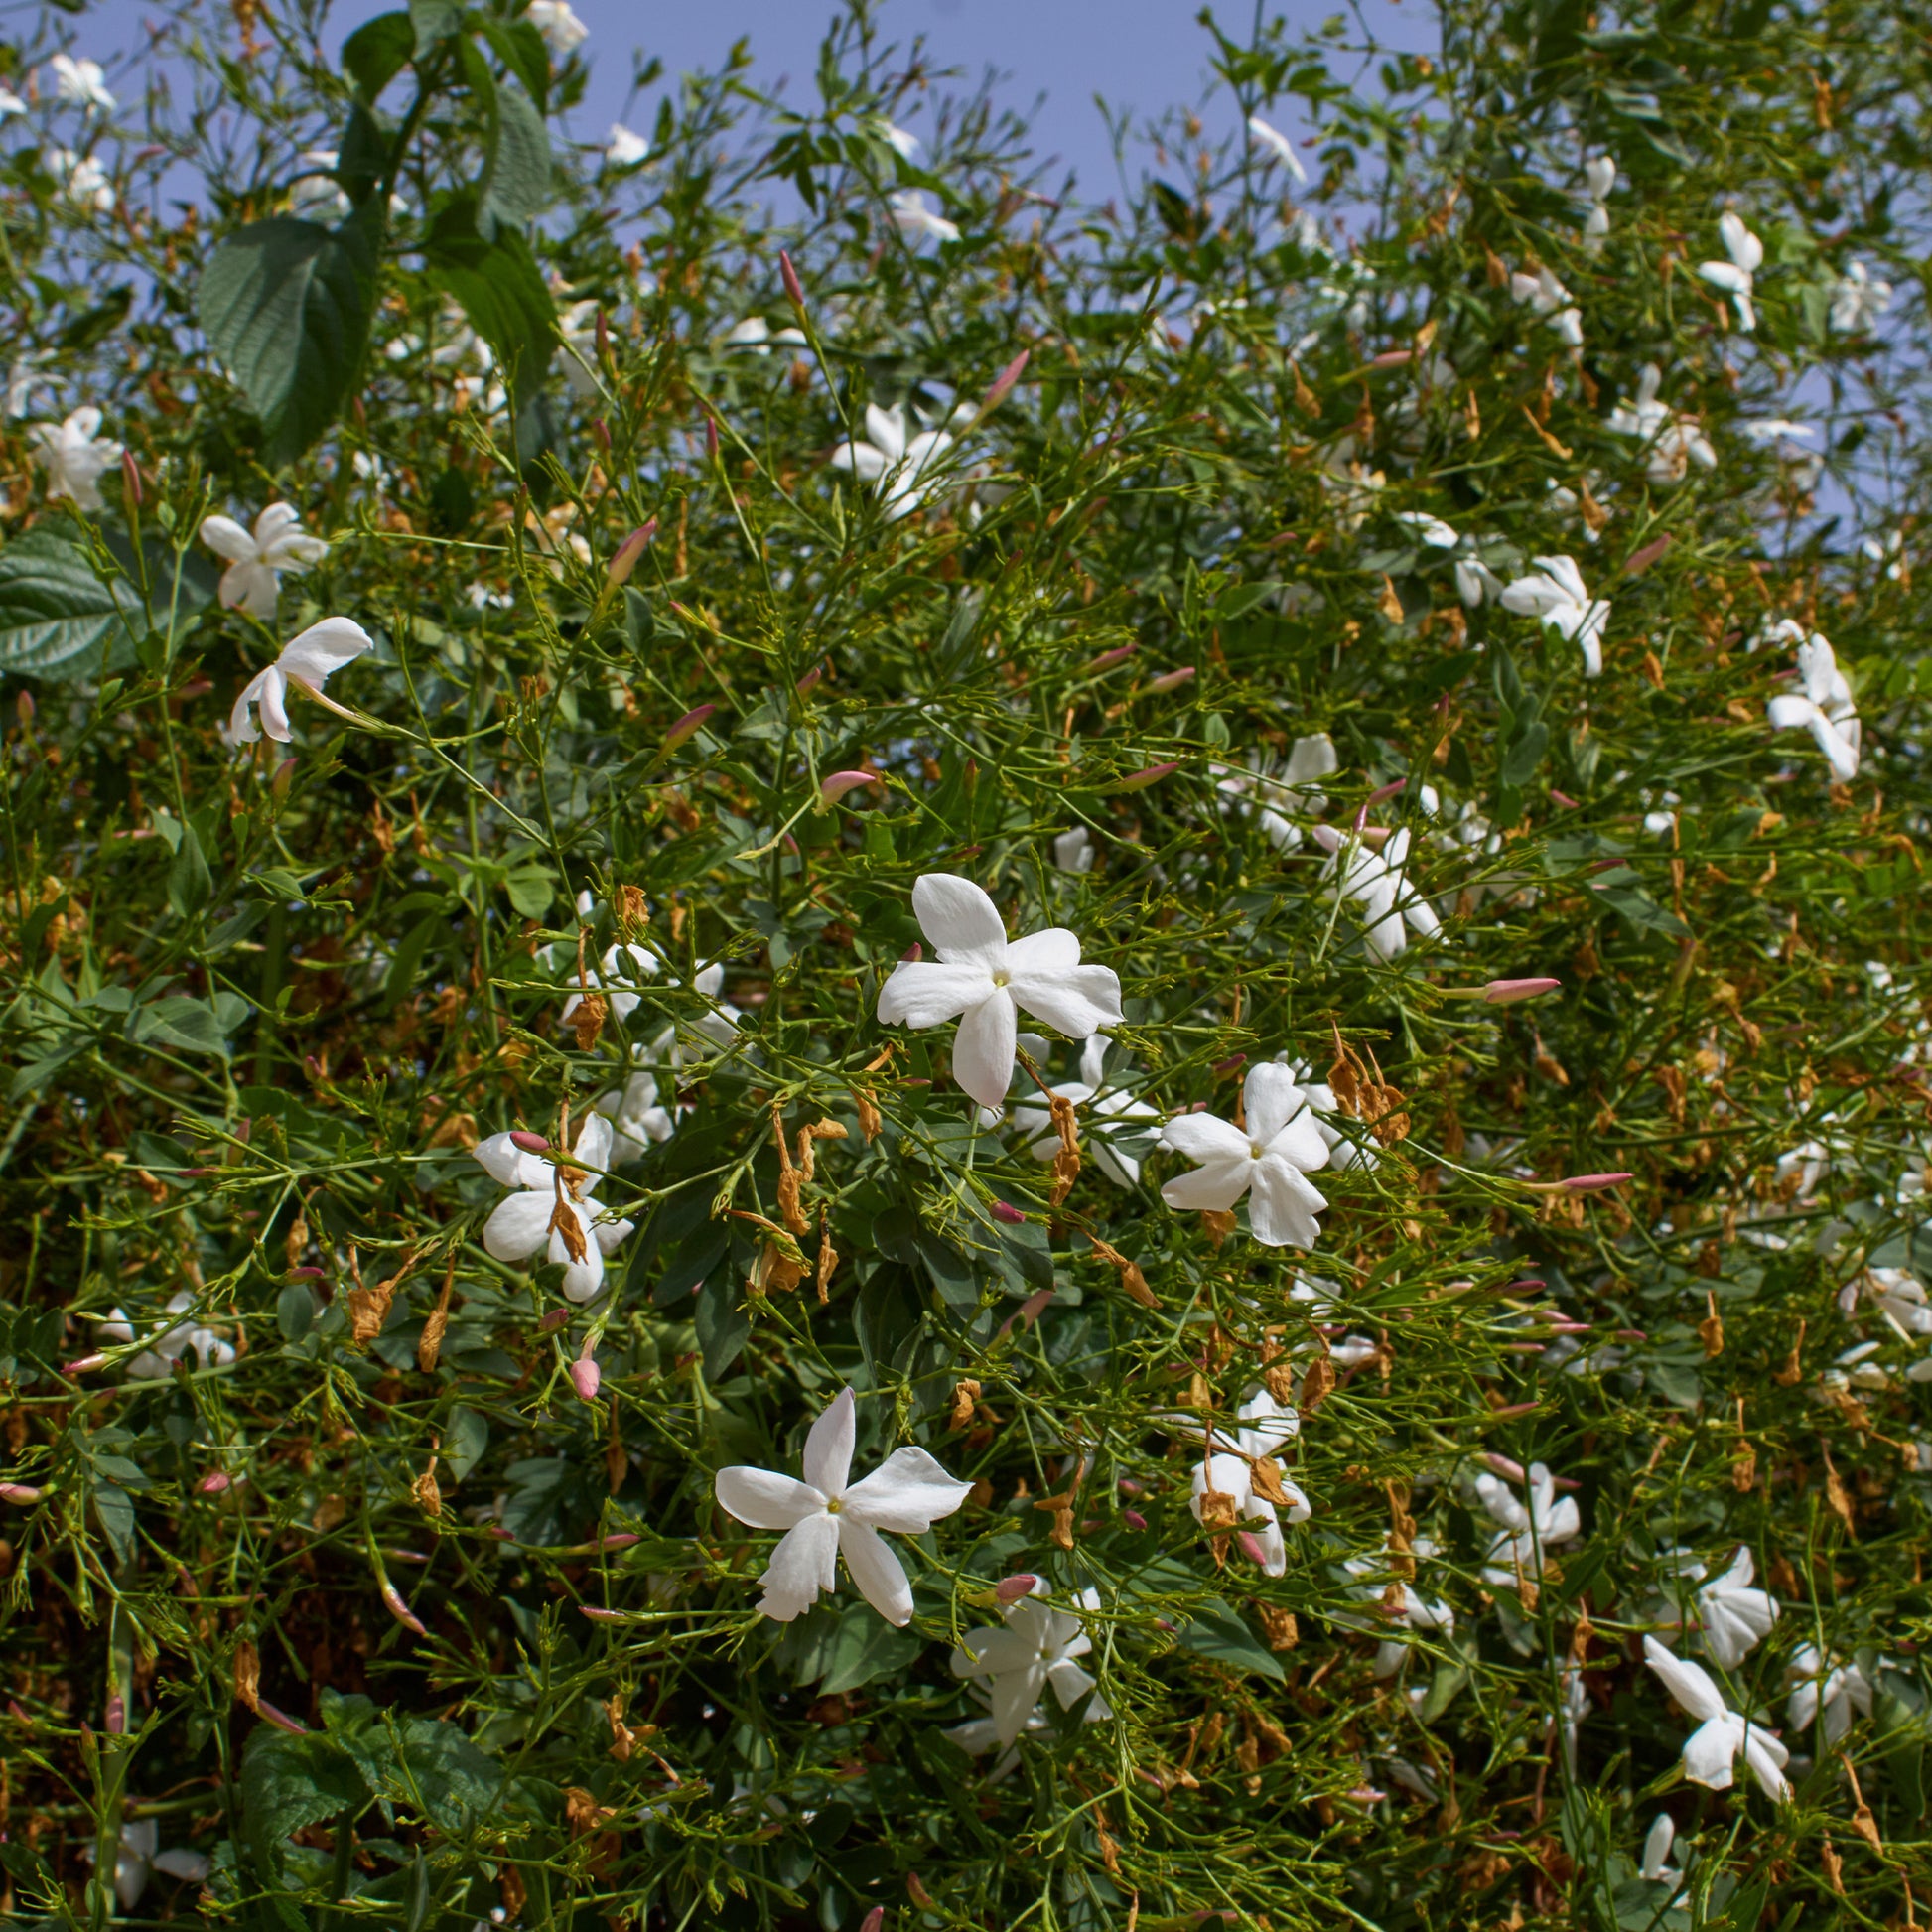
[
  {"x": 916, "y": 222},
  {"x": 554, "y": 1209},
  {"x": 897, "y": 464},
  {"x": 1671, "y": 443},
  {"x": 1227, "y": 1476},
  {"x": 1890, "y": 551},
  {"x": 825, "y": 1518},
  {"x": 1269, "y": 796},
  {"x": 1528, "y": 1529},
  {"x": 1901, "y": 1300},
  {"x": 1268, "y": 1160},
  {"x": 1736, "y": 1617},
  {"x": 902, "y": 143},
  {"x": 987, "y": 983},
  {"x": 758, "y": 335},
  {"x": 1342, "y": 1152},
  {"x": 74, "y": 456},
  {"x": 307, "y": 661},
  {"x": 1736, "y": 276},
  {"x": 1599, "y": 178},
  {"x": 1547, "y": 297},
  {"x": 10, "y": 104},
  {"x": 168, "y": 1344},
  {"x": 562, "y": 31},
  {"x": 316, "y": 195},
  {"x": 1033, "y": 1652},
  {"x": 1721, "y": 1735},
  {"x": 1776, "y": 429},
  {"x": 1377, "y": 883},
  {"x": 256, "y": 562},
  {"x": 1555, "y": 596},
  {"x": 1859, "y": 298},
  {"x": 82, "y": 179},
  {"x": 25, "y": 378},
  {"x": 1430, "y": 531},
  {"x": 1823, "y": 706},
  {"x": 1074, "y": 850},
  {"x": 137, "y": 1857},
  {"x": 1475, "y": 581},
  {"x": 81, "y": 84},
  {"x": 687, "y": 1041},
  {"x": 1277, "y": 145},
  {"x": 1108, "y": 1111},
  {"x": 1822, "y": 1686},
  {"x": 636, "y": 1118},
  {"x": 626, "y": 968},
  {"x": 1656, "y": 1865},
  {"x": 626, "y": 149},
  {"x": 1408, "y": 1610}
]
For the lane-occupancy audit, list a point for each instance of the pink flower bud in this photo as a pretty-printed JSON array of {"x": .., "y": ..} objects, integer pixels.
[
  {"x": 1151, "y": 775},
  {"x": 1133, "y": 1519},
  {"x": 83, "y": 1364},
  {"x": 711, "y": 438},
  {"x": 1251, "y": 1545},
  {"x": 873, "y": 1920},
  {"x": 1109, "y": 659},
  {"x": 601, "y": 431},
  {"x": 521, "y": 1137},
  {"x": 833, "y": 788},
  {"x": 1503, "y": 1466},
  {"x": 1563, "y": 799},
  {"x": 623, "y": 1540},
  {"x": 552, "y": 1320},
  {"x": 1006, "y": 1211},
  {"x": 397, "y": 1609},
  {"x": 1233, "y": 1064},
  {"x": 131, "y": 477},
  {"x": 22, "y": 1494},
  {"x": 914, "y": 953},
  {"x": 1522, "y": 1348},
  {"x": 1374, "y": 798},
  {"x": 625, "y": 560},
  {"x": 1590, "y": 1183},
  {"x": 1560, "y": 1326},
  {"x": 1524, "y": 1286},
  {"x": 217, "y": 1482},
  {"x": 585, "y": 1375},
  {"x": 1631, "y": 1334},
  {"x": 1173, "y": 680},
  {"x": 810, "y": 678},
  {"x": 1511, "y": 1411},
  {"x": 280, "y": 1720},
  {"x": 1003, "y": 382},
  {"x": 795, "y": 289},
  {"x": 116, "y": 1715},
  {"x": 1391, "y": 359},
  {"x": 597, "y": 1615},
  {"x": 1506, "y": 993},
  {"x": 307, "y": 1275},
  {"x": 687, "y": 727},
  {"x": 1010, "y": 1589}
]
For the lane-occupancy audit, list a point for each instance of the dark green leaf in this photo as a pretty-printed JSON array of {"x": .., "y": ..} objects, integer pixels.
[
  {"x": 723, "y": 1327},
  {"x": 57, "y": 617},
  {"x": 180, "y": 1022},
  {"x": 377, "y": 51},
  {"x": 1219, "y": 1632},
  {"x": 520, "y": 48},
  {"x": 190, "y": 883},
  {"x": 434, "y": 20},
  {"x": 288, "y": 1783},
  {"x": 497, "y": 285}
]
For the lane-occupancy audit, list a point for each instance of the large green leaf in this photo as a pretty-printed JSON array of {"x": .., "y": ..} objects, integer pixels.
[
  {"x": 515, "y": 185},
  {"x": 288, "y": 1783},
  {"x": 57, "y": 617},
  {"x": 286, "y": 305},
  {"x": 1219, "y": 1632},
  {"x": 497, "y": 285},
  {"x": 379, "y": 50}
]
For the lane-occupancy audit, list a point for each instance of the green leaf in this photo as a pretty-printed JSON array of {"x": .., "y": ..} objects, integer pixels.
[
  {"x": 190, "y": 883},
  {"x": 723, "y": 1327},
  {"x": 497, "y": 285},
  {"x": 864, "y": 1648},
  {"x": 187, "y": 1024},
  {"x": 466, "y": 1435},
  {"x": 57, "y": 617},
  {"x": 286, "y": 305},
  {"x": 520, "y": 48},
  {"x": 361, "y": 155},
  {"x": 377, "y": 51},
  {"x": 1219, "y": 1632},
  {"x": 116, "y": 1508},
  {"x": 531, "y": 890},
  {"x": 454, "y": 1781},
  {"x": 516, "y": 167},
  {"x": 1524, "y": 754},
  {"x": 288, "y": 1783},
  {"x": 434, "y": 20}
]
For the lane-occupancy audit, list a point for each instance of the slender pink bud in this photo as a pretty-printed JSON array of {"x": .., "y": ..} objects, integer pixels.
[
  {"x": 832, "y": 790},
  {"x": 131, "y": 477},
  {"x": 1251, "y": 1543},
  {"x": 1375, "y": 798},
  {"x": 307, "y": 1275},
  {"x": 1003, "y": 382},
  {"x": 585, "y": 1375},
  {"x": 1560, "y": 1326},
  {"x": 218, "y": 1482},
  {"x": 521, "y": 1137},
  {"x": 601, "y": 431},
  {"x": 794, "y": 289},
  {"x": 625, "y": 559},
  {"x": 1133, "y": 1519},
  {"x": 1390, "y": 357},
  {"x": 552, "y": 1320},
  {"x": 687, "y": 727},
  {"x": 280, "y": 1720},
  {"x": 1035, "y": 1306},
  {"x": 1522, "y": 1348},
  {"x": 1233, "y": 1064},
  {"x": 1506, "y": 993},
  {"x": 1563, "y": 799},
  {"x": 914, "y": 953},
  {"x": 1631, "y": 1334},
  {"x": 1523, "y": 1285},
  {"x": 1151, "y": 775},
  {"x": 1503, "y": 1466},
  {"x": 597, "y": 1615},
  {"x": 1513, "y": 1409},
  {"x": 1109, "y": 659},
  {"x": 1010, "y": 1589},
  {"x": 623, "y": 1540},
  {"x": 1647, "y": 556},
  {"x": 397, "y": 1609},
  {"x": 810, "y": 678},
  {"x": 711, "y": 438},
  {"x": 22, "y": 1494},
  {"x": 83, "y": 1364},
  {"x": 873, "y": 1920},
  {"x": 1590, "y": 1183},
  {"x": 116, "y": 1715},
  {"x": 1006, "y": 1211},
  {"x": 1173, "y": 680}
]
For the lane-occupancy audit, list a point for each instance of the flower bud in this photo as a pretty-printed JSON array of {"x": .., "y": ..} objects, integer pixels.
[
  {"x": 1149, "y": 776},
  {"x": 1590, "y": 1183},
  {"x": 83, "y": 1364},
  {"x": 1133, "y": 1519},
  {"x": 21, "y": 1494},
  {"x": 585, "y": 1375},
  {"x": 687, "y": 727},
  {"x": 597, "y": 1615},
  {"x": 623, "y": 1540},
  {"x": 794, "y": 289},
  {"x": 521, "y": 1137},
  {"x": 1506, "y": 993},
  {"x": 1173, "y": 680},
  {"x": 552, "y": 1320},
  {"x": 1003, "y": 382},
  {"x": 625, "y": 560},
  {"x": 1010, "y": 1589},
  {"x": 873, "y": 1920},
  {"x": 397, "y": 1609},
  {"x": 1109, "y": 659},
  {"x": 833, "y": 788},
  {"x": 810, "y": 678},
  {"x": 1251, "y": 1544},
  {"x": 1503, "y": 1466},
  {"x": 216, "y": 1483},
  {"x": 1006, "y": 1211},
  {"x": 116, "y": 1715},
  {"x": 131, "y": 477},
  {"x": 1374, "y": 798},
  {"x": 1563, "y": 799},
  {"x": 711, "y": 439},
  {"x": 914, "y": 953}
]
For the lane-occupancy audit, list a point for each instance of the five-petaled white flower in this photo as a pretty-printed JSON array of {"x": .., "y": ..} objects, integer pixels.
[
  {"x": 825, "y": 1517},
  {"x": 1109, "y": 1111},
  {"x": 1404, "y": 1608},
  {"x": 1736, "y": 277},
  {"x": 1824, "y": 707},
  {"x": 1555, "y": 595},
  {"x": 1225, "y": 1496},
  {"x": 1671, "y": 443},
  {"x": 82, "y": 179},
  {"x": 626, "y": 968},
  {"x": 1379, "y": 885},
  {"x": 138, "y": 1858},
  {"x": 256, "y": 562},
  {"x": 986, "y": 983},
  {"x": 562, "y": 31},
  {"x": 636, "y": 1116},
  {"x": 167, "y": 1345},
  {"x": 1033, "y": 1651},
  {"x": 75, "y": 456},
  {"x": 1528, "y": 1530},
  {"x": 554, "y": 1208},
  {"x": 1269, "y": 1160},
  {"x": 1277, "y": 145},
  {"x": 626, "y": 148},
  {"x": 1269, "y": 796},
  {"x": 1859, "y": 298},
  {"x": 1736, "y": 1617},
  {"x": 307, "y": 661},
  {"x": 1823, "y": 1686},
  {"x": 81, "y": 84},
  {"x": 916, "y": 222},
  {"x": 898, "y": 464},
  {"x": 1721, "y": 1735}
]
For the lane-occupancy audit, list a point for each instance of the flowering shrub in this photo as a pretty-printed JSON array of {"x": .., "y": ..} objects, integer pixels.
[{"x": 883, "y": 1049}]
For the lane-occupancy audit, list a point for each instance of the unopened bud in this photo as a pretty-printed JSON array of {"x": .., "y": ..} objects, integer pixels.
[
  {"x": 1374, "y": 798},
  {"x": 1588, "y": 1183},
  {"x": 1109, "y": 659},
  {"x": 83, "y": 1364},
  {"x": 1251, "y": 1543},
  {"x": 1503, "y": 1466},
  {"x": 711, "y": 439},
  {"x": 1151, "y": 775},
  {"x": 914, "y": 953},
  {"x": 601, "y": 431},
  {"x": 623, "y": 1540},
  {"x": 1006, "y": 1211},
  {"x": 217, "y": 1482},
  {"x": 521, "y": 1137},
  {"x": 1010, "y": 1589},
  {"x": 625, "y": 560},
  {"x": 585, "y": 1375},
  {"x": 687, "y": 727},
  {"x": 131, "y": 479},
  {"x": 397, "y": 1609},
  {"x": 873, "y": 1920},
  {"x": 832, "y": 790},
  {"x": 810, "y": 678},
  {"x": 1506, "y": 993},
  {"x": 1173, "y": 680},
  {"x": 23, "y": 1495},
  {"x": 116, "y": 1715},
  {"x": 794, "y": 289},
  {"x": 552, "y": 1320},
  {"x": 1004, "y": 381},
  {"x": 1133, "y": 1519}
]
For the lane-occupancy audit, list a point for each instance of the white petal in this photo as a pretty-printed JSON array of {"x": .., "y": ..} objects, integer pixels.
[
  {"x": 805, "y": 1563},
  {"x": 879, "y": 1575},
  {"x": 226, "y": 538},
  {"x": 828, "y": 1447},
  {"x": 501, "y": 1158},
  {"x": 1051, "y": 951},
  {"x": 1203, "y": 1136},
  {"x": 323, "y": 648},
  {"x": 1077, "y": 999},
  {"x": 960, "y": 922},
  {"x": 983, "y": 1048},
  {"x": 1711, "y": 1749},
  {"x": 923, "y": 992},
  {"x": 766, "y": 1501},
  {"x": 1271, "y": 1098},
  {"x": 1687, "y": 1682},
  {"x": 1015, "y": 1694},
  {"x": 1283, "y": 1205},
  {"x": 518, "y": 1227},
  {"x": 1213, "y": 1188},
  {"x": 909, "y": 1492}
]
